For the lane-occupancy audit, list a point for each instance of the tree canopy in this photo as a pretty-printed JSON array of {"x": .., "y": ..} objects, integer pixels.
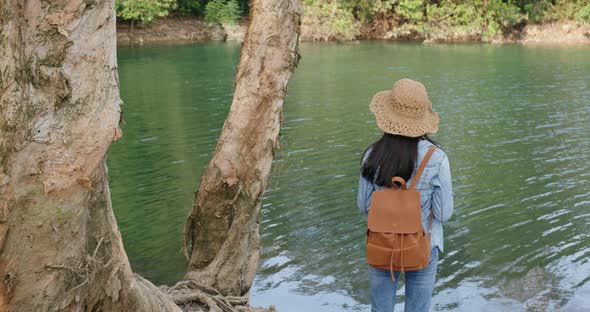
[{"x": 495, "y": 14}]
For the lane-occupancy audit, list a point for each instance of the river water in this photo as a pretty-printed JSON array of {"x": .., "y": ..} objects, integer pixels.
[{"x": 515, "y": 122}]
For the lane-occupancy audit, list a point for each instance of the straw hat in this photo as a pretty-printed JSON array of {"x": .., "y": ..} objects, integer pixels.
[{"x": 405, "y": 110}]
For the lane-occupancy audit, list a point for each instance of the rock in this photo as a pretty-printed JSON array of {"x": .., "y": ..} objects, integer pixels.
[
  {"x": 215, "y": 32},
  {"x": 173, "y": 29},
  {"x": 405, "y": 33},
  {"x": 234, "y": 32}
]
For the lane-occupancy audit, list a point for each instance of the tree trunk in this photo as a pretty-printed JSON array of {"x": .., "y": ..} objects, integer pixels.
[
  {"x": 60, "y": 248},
  {"x": 222, "y": 229}
]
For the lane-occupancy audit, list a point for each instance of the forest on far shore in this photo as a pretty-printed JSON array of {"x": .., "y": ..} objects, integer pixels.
[{"x": 343, "y": 19}]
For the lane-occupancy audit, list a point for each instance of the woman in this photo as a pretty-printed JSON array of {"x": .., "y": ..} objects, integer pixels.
[{"x": 405, "y": 115}]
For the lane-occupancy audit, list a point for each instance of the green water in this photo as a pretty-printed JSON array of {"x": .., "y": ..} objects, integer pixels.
[{"x": 515, "y": 122}]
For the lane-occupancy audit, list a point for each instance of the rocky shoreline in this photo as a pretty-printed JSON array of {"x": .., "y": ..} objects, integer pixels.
[
  {"x": 178, "y": 30},
  {"x": 171, "y": 30}
]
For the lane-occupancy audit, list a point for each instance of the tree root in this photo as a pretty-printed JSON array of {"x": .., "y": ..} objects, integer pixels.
[
  {"x": 81, "y": 274},
  {"x": 192, "y": 297}
]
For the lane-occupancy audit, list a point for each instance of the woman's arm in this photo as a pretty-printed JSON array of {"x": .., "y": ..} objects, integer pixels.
[
  {"x": 366, "y": 189},
  {"x": 442, "y": 197}
]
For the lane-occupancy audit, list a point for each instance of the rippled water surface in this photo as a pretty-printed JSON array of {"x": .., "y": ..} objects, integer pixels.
[{"x": 515, "y": 122}]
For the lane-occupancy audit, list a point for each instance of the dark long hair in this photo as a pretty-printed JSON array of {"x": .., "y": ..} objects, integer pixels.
[{"x": 390, "y": 156}]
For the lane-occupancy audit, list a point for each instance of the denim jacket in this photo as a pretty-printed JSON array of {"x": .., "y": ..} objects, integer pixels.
[{"x": 435, "y": 189}]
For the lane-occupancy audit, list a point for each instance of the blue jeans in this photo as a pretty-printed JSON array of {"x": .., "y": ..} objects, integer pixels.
[{"x": 419, "y": 286}]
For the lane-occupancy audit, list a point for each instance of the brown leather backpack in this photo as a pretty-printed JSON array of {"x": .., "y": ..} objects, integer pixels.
[{"x": 396, "y": 239}]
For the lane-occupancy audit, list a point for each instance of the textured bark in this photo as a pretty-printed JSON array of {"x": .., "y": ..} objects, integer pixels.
[
  {"x": 60, "y": 248},
  {"x": 222, "y": 229}
]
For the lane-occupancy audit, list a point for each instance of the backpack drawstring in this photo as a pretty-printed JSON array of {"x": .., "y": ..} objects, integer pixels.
[
  {"x": 401, "y": 254},
  {"x": 391, "y": 258}
]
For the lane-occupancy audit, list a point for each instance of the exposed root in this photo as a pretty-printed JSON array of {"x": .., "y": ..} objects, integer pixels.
[
  {"x": 192, "y": 297},
  {"x": 81, "y": 274}
]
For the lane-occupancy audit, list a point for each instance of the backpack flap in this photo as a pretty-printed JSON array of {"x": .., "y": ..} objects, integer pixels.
[{"x": 395, "y": 211}]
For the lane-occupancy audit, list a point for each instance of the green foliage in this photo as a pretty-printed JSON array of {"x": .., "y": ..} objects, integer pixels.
[
  {"x": 449, "y": 13},
  {"x": 411, "y": 10},
  {"x": 143, "y": 11},
  {"x": 489, "y": 18},
  {"x": 536, "y": 10},
  {"x": 330, "y": 20},
  {"x": 584, "y": 14},
  {"x": 505, "y": 14},
  {"x": 188, "y": 7},
  {"x": 340, "y": 18},
  {"x": 222, "y": 11},
  {"x": 360, "y": 9},
  {"x": 492, "y": 29},
  {"x": 568, "y": 10},
  {"x": 382, "y": 6}
]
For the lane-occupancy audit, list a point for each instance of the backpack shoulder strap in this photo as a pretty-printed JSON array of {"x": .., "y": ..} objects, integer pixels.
[{"x": 422, "y": 166}]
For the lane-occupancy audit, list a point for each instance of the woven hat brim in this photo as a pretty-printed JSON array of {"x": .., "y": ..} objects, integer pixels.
[{"x": 394, "y": 123}]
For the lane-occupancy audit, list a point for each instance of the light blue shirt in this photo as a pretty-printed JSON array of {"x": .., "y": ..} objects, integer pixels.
[{"x": 435, "y": 189}]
